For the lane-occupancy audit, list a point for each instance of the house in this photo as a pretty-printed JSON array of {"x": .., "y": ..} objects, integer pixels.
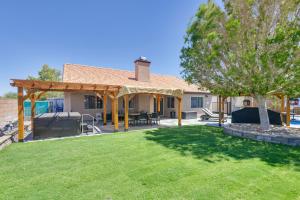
[
  {"x": 98, "y": 90},
  {"x": 90, "y": 103}
]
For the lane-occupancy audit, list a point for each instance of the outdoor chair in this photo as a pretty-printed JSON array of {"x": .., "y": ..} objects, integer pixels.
[
  {"x": 131, "y": 121},
  {"x": 208, "y": 115},
  {"x": 154, "y": 118},
  {"x": 143, "y": 118}
]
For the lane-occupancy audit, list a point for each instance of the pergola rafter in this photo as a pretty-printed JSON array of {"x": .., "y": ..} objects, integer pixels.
[{"x": 62, "y": 86}]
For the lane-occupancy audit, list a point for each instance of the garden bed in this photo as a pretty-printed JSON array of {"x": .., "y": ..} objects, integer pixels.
[{"x": 277, "y": 134}]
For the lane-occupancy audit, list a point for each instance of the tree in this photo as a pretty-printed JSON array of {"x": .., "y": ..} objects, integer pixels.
[
  {"x": 48, "y": 74},
  {"x": 11, "y": 95},
  {"x": 248, "y": 48}
]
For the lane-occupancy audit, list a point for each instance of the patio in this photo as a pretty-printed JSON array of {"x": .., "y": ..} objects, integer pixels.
[{"x": 166, "y": 122}]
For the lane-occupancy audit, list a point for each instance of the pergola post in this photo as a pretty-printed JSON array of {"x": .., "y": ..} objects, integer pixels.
[
  {"x": 282, "y": 108},
  {"x": 116, "y": 117},
  {"x": 20, "y": 115},
  {"x": 158, "y": 103},
  {"x": 219, "y": 108},
  {"x": 112, "y": 111},
  {"x": 32, "y": 99},
  {"x": 288, "y": 112},
  {"x": 179, "y": 110},
  {"x": 104, "y": 109},
  {"x": 126, "y": 102}
]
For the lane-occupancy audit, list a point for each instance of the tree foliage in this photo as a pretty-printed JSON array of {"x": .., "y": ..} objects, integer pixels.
[
  {"x": 250, "y": 47},
  {"x": 11, "y": 95},
  {"x": 48, "y": 74}
]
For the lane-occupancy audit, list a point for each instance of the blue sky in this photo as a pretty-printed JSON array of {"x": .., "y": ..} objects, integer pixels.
[{"x": 108, "y": 33}]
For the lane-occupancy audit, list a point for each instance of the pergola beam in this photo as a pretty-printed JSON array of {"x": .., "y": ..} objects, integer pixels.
[{"x": 62, "y": 86}]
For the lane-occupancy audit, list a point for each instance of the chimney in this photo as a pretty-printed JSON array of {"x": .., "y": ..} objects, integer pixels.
[{"x": 142, "y": 71}]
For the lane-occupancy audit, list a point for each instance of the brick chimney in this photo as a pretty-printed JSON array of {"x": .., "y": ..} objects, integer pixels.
[{"x": 142, "y": 69}]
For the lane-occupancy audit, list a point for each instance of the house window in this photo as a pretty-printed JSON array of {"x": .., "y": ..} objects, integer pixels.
[
  {"x": 99, "y": 103},
  {"x": 196, "y": 102},
  {"x": 170, "y": 102},
  {"x": 89, "y": 102}
]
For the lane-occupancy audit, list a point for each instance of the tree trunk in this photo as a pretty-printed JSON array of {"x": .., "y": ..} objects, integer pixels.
[{"x": 263, "y": 112}]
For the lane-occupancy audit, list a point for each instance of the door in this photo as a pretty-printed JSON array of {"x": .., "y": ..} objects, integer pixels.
[{"x": 161, "y": 106}]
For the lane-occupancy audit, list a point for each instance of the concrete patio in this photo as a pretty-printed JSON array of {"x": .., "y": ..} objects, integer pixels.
[{"x": 163, "y": 123}]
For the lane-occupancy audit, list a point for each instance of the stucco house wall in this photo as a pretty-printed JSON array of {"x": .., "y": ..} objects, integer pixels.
[
  {"x": 186, "y": 103},
  {"x": 74, "y": 102}
]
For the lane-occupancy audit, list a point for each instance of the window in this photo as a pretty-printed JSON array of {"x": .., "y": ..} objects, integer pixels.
[
  {"x": 99, "y": 103},
  {"x": 196, "y": 102},
  {"x": 170, "y": 102},
  {"x": 89, "y": 102}
]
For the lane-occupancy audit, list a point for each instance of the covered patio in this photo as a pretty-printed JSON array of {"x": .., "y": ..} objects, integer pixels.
[{"x": 35, "y": 89}]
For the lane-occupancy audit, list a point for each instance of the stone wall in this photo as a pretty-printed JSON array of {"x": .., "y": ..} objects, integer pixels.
[
  {"x": 270, "y": 136},
  {"x": 8, "y": 110}
]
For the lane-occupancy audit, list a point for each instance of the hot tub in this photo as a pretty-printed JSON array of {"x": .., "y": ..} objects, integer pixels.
[{"x": 56, "y": 125}]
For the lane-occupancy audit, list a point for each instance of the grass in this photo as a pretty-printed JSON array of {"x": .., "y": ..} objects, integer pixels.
[{"x": 192, "y": 162}]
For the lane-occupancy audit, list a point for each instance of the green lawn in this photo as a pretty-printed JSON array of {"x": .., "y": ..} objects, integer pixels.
[{"x": 196, "y": 162}]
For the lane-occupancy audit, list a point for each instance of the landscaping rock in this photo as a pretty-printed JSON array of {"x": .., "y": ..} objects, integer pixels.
[{"x": 277, "y": 134}]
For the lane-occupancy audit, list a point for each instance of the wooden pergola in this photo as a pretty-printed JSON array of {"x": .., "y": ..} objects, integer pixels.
[
  {"x": 281, "y": 96},
  {"x": 35, "y": 89}
]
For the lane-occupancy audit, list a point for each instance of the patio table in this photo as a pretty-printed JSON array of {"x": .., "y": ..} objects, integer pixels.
[{"x": 134, "y": 116}]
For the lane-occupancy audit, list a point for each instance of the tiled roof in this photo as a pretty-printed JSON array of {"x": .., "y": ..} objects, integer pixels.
[{"x": 101, "y": 75}]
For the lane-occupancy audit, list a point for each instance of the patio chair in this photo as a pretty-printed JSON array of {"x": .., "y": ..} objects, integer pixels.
[
  {"x": 143, "y": 118},
  {"x": 131, "y": 120},
  {"x": 154, "y": 118},
  {"x": 208, "y": 115}
]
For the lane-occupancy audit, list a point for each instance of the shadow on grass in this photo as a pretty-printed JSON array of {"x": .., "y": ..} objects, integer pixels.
[{"x": 211, "y": 145}]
